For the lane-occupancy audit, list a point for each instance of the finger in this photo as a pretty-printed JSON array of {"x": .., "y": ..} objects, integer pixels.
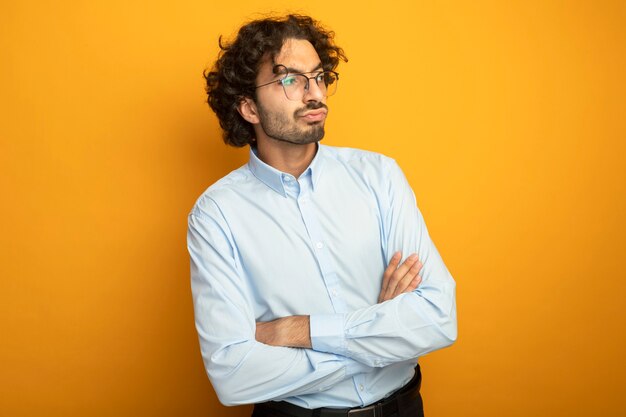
[
  {"x": 406, "y": 283},
  {"x": 391, "y": 268},
  {"x": 398, "y": 276},
  {"x": 393, "y": 264},
  {"x": 415, "y": 269},
  {"x": 414, "y": 284}
]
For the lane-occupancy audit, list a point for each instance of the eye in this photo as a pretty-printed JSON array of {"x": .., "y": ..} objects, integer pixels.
[{"x": 290, "y": 81}]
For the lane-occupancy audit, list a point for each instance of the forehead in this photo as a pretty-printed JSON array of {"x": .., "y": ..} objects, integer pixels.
[{"x": 298, "y": 54}]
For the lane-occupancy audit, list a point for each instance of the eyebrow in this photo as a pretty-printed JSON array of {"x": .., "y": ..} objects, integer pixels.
[{"x": 291, "y": 70}]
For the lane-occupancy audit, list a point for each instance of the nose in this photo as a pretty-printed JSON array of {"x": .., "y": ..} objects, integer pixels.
[{"x": 314, "y": 92}]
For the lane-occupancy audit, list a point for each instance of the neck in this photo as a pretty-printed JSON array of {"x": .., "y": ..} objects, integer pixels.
[{"x": 286, "y": 157}]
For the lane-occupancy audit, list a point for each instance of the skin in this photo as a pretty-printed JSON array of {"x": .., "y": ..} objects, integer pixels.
[
  {"x": 287, "y": 133},
  {"x": 282, "y": 145}
]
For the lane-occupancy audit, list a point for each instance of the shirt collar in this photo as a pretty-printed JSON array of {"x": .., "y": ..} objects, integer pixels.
[{"x": 274, "y": 178}]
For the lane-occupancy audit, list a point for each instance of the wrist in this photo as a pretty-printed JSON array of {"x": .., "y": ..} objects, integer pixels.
[
  {"x": 295, "y": 331},
  {"x": 291, "y": 331},
  {"x": 298, "y": 332}
]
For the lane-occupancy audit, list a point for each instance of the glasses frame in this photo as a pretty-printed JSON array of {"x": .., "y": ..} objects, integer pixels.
[{"x": 306, "y": 86}]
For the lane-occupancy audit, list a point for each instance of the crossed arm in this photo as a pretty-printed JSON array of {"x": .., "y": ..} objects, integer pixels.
[
  {"x": 250, "y": 362},
  {"x": 294, "y": 331}
]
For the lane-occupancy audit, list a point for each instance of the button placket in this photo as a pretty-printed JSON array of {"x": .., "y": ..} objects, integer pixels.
[{"x": 331, "y": 282}]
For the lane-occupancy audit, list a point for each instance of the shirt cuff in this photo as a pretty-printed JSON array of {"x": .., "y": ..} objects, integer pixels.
[{"x": 327, "y": 333}]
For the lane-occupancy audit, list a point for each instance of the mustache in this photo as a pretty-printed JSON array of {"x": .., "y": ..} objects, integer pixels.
[{"x": 312, "y": 105}]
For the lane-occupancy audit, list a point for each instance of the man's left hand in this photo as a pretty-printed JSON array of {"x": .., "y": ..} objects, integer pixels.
[{"x": 399, "y": 279}]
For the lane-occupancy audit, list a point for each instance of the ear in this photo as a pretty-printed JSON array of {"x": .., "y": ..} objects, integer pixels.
[{"x": 247, "y": 109}]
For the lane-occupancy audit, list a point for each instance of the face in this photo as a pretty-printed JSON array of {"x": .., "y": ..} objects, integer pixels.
[{"x": 296, "y": 122}]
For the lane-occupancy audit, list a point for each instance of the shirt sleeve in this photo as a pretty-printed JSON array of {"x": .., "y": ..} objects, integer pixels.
[
  {"x": 411, "y": 324},
  {"x": 242, "y": 370}
]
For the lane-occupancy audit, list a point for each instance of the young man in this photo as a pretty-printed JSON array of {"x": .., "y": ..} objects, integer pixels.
[{"x": 303, "y": 303}]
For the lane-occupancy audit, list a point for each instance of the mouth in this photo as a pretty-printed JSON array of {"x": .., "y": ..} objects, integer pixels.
[{"x": 314, "y": 116}]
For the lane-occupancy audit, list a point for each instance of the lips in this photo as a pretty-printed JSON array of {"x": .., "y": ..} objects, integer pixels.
[{"x": 314, "y": 116}]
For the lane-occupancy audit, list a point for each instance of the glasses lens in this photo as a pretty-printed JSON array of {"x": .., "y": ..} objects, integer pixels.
[
  {"x": 295, "y": 85},
  {"x": 330, "y": 82}
]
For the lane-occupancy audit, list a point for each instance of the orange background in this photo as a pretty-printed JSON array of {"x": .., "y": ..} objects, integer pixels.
[{"x": 507, "y": 117}]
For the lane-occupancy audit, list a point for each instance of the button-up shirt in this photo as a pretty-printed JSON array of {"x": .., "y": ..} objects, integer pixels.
[{"x": 265, "y": 245}]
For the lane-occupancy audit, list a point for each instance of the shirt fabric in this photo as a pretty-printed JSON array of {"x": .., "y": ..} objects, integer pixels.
[{"x": 265, "y": 245}]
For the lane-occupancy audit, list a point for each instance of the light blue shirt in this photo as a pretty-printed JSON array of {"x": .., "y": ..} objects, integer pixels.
[{"x": 265, "y": 245}]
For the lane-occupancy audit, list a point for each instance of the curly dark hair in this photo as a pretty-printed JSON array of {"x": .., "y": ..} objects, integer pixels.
[{"x": 233, "y": 76}]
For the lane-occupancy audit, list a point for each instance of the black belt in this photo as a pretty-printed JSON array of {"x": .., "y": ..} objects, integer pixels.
[{"x": 386, "y": 407}]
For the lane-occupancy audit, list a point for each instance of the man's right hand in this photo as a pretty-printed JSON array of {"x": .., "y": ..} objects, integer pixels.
[{"x": 400, "y": 279}]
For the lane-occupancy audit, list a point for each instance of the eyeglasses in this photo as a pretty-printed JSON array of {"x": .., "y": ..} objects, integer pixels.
[{"x": 296, "y": 86}]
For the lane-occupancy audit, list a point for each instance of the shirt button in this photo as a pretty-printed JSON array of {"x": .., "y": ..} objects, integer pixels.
[
  {"x": 286, "y": 178},
  {"x": 319, "y": 245},
  {"x": 361, "y": 387},
  {"x": 334, "y": 293}
]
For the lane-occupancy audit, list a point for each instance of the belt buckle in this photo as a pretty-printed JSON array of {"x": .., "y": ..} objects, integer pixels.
[{"x": 370, "y": 410}]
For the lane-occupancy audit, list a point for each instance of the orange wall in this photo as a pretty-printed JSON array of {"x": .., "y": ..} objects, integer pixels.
[{"x": 507, "y": 117}]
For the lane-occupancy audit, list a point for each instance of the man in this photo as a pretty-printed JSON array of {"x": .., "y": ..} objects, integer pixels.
[{"x": 303, "y": 303}]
